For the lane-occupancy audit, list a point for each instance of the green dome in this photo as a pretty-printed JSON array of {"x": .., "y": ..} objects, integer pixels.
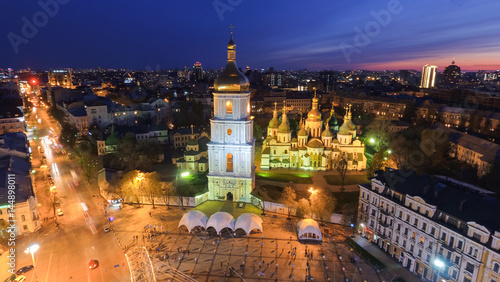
[
  {"x": 192, "y": 142},
  {"x": 284, "y": 127},
  {"x": 274, "y": 123},
  {"x": 302, "y": 132},
  {"x": 327, "y": 133},
  {"x": 112, "y": 139}
]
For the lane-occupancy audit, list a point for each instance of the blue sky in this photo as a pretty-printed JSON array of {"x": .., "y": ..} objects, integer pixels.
[{"x": 283, "y": 34}]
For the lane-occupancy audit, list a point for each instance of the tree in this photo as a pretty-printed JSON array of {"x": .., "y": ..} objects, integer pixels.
[
  {"x": 68, "y": 136},
  {"x": 303, "y": 208},
  {"x": 349, "y": 213},
  {"x": 340, "y": 164},
  {"x": 150, "y": 185},
  {"x": 376, "y": 164},
  {"x": 322, "y": 205},
  {"x": 288, "y": 198},
  {"x": 379, "y": 131},
  {"x": 129, "y": 187},
  {"x": 127, "y": 150},
  {"x": 168, "y": 190},
  {"x": 257, "y": 132}
]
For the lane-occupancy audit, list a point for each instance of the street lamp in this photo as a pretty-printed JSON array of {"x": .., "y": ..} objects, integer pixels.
[
  {"x": 440, "y": 264},
  {"x": 372, "y": 141},
  {"x": 312, "y": 191},
  {"x": 32, "y": 249}
]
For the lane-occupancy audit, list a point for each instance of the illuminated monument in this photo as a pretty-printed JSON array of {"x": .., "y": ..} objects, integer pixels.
[{"x": 231, "y": 151}]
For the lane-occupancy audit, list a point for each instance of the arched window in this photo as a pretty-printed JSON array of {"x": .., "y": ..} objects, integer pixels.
[
  {"x": 23, "y": 218},
  {"x": 229, "y": 107},
  {"x": 229, "y": 162},
  {"x": 496, "y": 267}
]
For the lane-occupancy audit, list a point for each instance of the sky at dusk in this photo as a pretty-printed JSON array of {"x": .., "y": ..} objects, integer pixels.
[{"x": 290, "y": 34}]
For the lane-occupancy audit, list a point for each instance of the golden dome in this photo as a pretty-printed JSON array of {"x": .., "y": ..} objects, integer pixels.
[
  {"x": 231, "y": 79},
  {"x": 314, "y": 114}
]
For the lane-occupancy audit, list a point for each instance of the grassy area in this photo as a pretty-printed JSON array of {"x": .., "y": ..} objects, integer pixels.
[
  {"x": 335, "y": 179},
  {"x": 194, "y": 184},
  {"x": 366, "y": 255},
  {"x": 295, "y": 178}
]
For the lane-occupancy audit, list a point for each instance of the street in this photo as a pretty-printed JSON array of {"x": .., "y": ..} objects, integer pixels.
[{"x": 65, "y": 250}]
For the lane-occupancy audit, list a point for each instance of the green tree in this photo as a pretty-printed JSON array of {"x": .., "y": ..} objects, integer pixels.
[
  {"x": 376, "y": 164},
  {"x": 379, "y": 131},
  {"x": 168, "y": 191},
  {"x": 257, "y": 132},
  {"x": 69, "y": 134},
  {"x": 289, "y": 199},
  {"x": 323, "y": 205},
  {"x": 303, "y": 208},
  {"x": 128, "y": 152},
  {"x": 340, "y": 163}
]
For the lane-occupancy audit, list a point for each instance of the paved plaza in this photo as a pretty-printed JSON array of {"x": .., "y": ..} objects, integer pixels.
[{"x": 273, "y": 255}]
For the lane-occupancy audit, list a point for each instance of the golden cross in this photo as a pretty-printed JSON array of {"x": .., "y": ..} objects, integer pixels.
[{"x": 231, "y": 27}]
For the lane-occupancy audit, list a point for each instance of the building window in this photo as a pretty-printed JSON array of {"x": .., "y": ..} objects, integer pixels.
[
  {"x": 469, "y": 267},
  {"x": 229, "y": 107},
  {"x": 496, "y": 267},
  {"x": 25, "y": 227},
  {"x": 23, "y": 218},
  {"x": 229, "y": 162}
]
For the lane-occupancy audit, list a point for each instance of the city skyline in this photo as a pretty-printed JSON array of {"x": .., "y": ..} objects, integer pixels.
[{"x": 338, "y": 36}]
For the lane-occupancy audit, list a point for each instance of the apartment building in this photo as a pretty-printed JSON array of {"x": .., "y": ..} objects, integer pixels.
[{"x": 439, "y": 229}]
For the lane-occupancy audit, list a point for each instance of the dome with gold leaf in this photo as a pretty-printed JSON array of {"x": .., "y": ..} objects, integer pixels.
[{"x": 231, "y": 79}]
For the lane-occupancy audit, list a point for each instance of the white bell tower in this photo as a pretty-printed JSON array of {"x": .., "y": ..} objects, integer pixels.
[{"x": 231, "y": 150}]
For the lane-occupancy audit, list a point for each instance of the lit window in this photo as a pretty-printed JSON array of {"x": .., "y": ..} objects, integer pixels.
[
  {"x": 229, "y": 131},
  {"x": 229, "y": 162},
  {"x": 229, "y": 107}
]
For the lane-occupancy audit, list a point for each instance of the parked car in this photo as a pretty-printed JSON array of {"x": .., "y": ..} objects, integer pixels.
[
  {"x": 106, "y": 229},
  {"x": 60, "y": 212},
  {"x": 24, "y": 269},
  {"x": 93, "y": 264}
]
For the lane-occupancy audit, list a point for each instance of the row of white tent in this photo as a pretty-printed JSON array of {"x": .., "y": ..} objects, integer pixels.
[{"x": 221, "y": 220}]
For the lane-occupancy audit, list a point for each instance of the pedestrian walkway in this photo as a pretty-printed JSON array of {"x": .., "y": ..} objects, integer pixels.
[{"x": 392, "y": 267}]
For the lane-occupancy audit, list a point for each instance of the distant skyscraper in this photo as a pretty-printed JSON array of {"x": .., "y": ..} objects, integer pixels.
[
  {"x": 198, "y": 73},
  {"x": 428, "y": 76},
  {"x": 451, "y": 74}
]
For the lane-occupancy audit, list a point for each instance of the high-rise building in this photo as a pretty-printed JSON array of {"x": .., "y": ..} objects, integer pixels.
[
  {"x": 428, "y": 76},
  {"x": 61, "y": 77},
  {"x": 231, "y": 151},
  {"x": 198, "y": 73},
  {"x": 451, "y": 74}
]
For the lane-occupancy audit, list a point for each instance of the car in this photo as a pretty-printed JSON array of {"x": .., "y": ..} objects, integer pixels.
[
  {"x": 93, "y": 264},
  {"x": 106, "y": 229},
  {"x": 60, "y": 212},
  {"x": 24, "y": 269},
  {"x": 49, "y": 176},
  {"x": 21, "y": 278}
]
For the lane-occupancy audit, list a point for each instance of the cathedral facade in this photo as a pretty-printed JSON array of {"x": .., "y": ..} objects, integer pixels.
[
  {"x": 231, "y": 150},
  {"x": 314, "y": 148}
]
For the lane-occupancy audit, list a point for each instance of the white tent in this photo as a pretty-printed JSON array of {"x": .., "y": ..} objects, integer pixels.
[
  {"x": 221, "y": 220},
  {"x": 249, "y": 222},
  {"x": 309, "y": 230},
  {"x": 191, "y": 219}
]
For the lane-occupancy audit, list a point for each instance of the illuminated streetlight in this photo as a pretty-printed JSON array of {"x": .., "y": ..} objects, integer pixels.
[
  {"x": 372, "y": 140},
  {"x": 438, "y": 263},
  {"x": 32, "y": 249},
  {"x": 312, "y": 191},
  {"x": 389, "y": 152},
  {"x": 185, "y": 174}
]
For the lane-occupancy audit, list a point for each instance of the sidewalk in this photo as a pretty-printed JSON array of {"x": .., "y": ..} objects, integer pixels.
[{"x": 394, "y": 269}]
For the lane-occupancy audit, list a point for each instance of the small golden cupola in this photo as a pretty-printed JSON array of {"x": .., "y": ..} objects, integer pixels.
[{"x": 231, "y": 79}]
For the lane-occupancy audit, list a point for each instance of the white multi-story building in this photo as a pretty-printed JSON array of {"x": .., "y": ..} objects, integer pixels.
[
  {"x": 435, "y": 227},
  {"x": 428, "y": 76},
  {"x": 231, "y": 150}
]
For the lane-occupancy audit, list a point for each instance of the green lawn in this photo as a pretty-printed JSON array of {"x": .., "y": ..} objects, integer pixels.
[
  {"x": 193, "y": 184},
  {"x": 335, "y": 179},
  {"x": 295, "y": 178}
]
